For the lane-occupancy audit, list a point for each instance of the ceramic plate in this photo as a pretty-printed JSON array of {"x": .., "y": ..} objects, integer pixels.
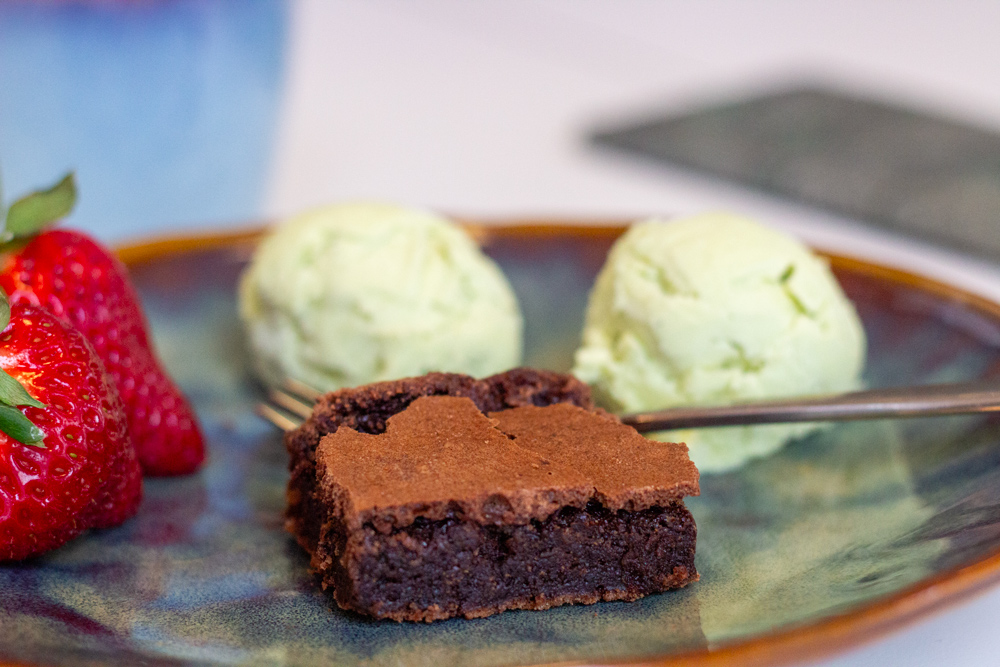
[{"x": 836, "y": 539}]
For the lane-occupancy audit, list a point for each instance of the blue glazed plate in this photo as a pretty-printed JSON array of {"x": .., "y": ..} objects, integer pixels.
[{"x": 838, "y": 538}]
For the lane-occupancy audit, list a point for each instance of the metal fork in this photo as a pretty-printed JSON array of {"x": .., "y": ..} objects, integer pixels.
[{"x": 289, "y": 405}]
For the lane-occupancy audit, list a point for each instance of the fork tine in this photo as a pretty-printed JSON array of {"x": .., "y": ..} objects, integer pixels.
[
  {"x": 301, "y": 389},
  {"x": 291, "y": 403},
  {"x": 287, "y": 406},
  {"x": 276, "y": 417}
]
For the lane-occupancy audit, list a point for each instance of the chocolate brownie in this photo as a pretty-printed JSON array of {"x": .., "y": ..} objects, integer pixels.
[
  {"x": 366, "y": 409},
  {"x": 439, "y": 505}
]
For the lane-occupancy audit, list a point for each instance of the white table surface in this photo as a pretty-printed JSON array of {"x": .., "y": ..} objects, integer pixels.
[{"x": 481, "y": 108}]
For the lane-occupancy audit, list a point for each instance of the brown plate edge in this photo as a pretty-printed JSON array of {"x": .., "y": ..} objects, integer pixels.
[{"x": 808, "y": 642}]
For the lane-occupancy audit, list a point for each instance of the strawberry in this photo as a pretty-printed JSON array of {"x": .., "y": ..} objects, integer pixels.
[
  {"x": 83, "y": 284},
  {"x": 66, "y": 461}
]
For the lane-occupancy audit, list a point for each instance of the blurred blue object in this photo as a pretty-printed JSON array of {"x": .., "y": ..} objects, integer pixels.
[{"x": 166, "y": 108}]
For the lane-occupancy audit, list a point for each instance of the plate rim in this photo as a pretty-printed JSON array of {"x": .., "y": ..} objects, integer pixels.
[{"x": 806, "y": 642}]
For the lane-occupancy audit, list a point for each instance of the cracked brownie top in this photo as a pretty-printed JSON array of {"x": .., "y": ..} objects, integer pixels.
[{"x": 443, "y": 457}]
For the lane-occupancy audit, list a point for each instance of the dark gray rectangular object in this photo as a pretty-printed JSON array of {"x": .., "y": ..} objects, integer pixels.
[{"x": 898, "y": 168}]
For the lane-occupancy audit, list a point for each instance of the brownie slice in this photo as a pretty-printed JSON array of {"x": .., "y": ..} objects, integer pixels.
[
  {"x": 366, "y": 410},
  {"x": 445, "y": 508}
]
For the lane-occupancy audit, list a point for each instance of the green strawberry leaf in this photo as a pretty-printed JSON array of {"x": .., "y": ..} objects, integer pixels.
[
  {"x": 4, "y": 310},
  {"x": 31, "y": 213},
  {"x": 16, "y": 425},
  {"x": 13, "y": 393}
]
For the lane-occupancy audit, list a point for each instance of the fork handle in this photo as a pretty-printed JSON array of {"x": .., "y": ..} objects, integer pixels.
[{"x": 921, "y": 401}]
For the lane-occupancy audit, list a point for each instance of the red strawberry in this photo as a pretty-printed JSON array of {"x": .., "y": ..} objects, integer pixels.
[
  {"x": 83, "y": 473},
  {"x": 83, "y": 284}
]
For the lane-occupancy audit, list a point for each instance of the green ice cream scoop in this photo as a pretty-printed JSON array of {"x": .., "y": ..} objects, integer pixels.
[
  {"x": 717, "y": 309},
  {"x": 358, "y": 293}
]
